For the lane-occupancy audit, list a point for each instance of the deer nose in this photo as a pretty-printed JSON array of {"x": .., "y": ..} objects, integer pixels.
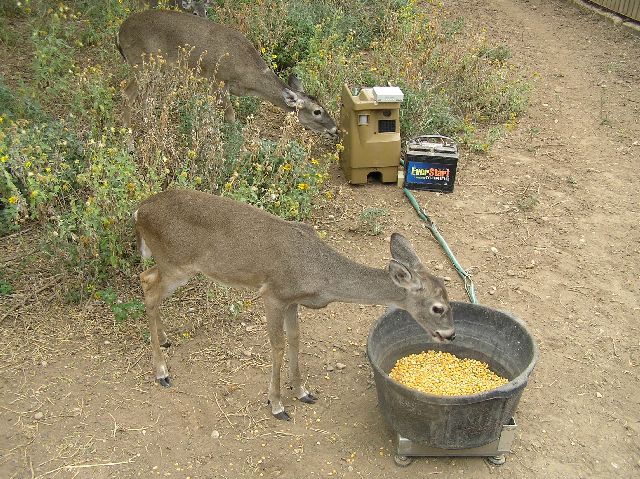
[{"x": 446, "y": 334}]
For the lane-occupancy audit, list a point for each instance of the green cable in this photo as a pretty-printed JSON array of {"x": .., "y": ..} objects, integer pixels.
[{"x": 466, "y": 277}]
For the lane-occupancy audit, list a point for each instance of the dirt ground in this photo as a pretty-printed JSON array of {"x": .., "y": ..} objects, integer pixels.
[{"x": 557, "y": 199}]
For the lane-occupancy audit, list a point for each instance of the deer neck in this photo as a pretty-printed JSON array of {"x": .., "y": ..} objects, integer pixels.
[
  {"x": 273, "y": 90},
  {"x": 364, "y": 285}
]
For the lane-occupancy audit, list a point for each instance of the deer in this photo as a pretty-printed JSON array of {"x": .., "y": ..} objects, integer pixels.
[
  {"x": 196, "y": 7},
  {"x": 221, "y": 54},
  {"x": 189, "y": 232}
]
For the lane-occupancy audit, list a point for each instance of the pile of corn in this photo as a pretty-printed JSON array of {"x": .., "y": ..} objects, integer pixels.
[{"x": 444, "y": 374}]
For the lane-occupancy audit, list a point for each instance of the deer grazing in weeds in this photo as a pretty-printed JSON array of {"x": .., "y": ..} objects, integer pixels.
[
  {"x": 189, "y": 232},
  {"x": 221, "y": 54}
]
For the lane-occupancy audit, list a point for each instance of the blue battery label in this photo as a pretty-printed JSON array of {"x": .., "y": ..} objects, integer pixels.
[{"x": 428, "y": 173}]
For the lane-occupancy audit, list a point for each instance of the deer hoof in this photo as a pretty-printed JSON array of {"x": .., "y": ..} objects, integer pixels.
[
  {"x": 308, "y": 399},
  {"x": 164, "y": 382},
  {"x": 282, "y": 416}
]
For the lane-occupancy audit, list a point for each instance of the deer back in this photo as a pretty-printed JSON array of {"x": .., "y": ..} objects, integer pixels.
[{"x": 232, "y": 242}]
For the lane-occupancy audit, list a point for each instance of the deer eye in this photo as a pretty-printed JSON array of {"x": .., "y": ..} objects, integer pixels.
[
  {"x": 437, "y": 309},
  {"x": 317, "y": 112}
]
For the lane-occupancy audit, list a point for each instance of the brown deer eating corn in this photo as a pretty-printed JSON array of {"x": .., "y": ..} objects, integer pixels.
[{"x": 189, "y": 232}]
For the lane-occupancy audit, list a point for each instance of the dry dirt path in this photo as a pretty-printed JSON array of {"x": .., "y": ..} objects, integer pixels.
[{"x": 558, "y": 199}]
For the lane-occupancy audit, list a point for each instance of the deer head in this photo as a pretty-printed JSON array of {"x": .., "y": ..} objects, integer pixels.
[
  {"x": 426, "y": 296},
  {"x": 311, "y": 113}
]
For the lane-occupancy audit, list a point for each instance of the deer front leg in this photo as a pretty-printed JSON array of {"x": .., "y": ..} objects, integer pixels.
[
  {"x": 275, "y": 326},
  {"x": 292, "y": 328}
]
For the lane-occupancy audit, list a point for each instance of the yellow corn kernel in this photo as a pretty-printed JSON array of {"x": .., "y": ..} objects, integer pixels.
[{"x": 444, "y": 374}]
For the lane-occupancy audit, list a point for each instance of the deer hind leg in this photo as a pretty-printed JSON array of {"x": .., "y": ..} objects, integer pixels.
[
  {"x": 291, "y": 326},
  {"x": 275, "y": 326},
  {"x": 157, "y": 286}
]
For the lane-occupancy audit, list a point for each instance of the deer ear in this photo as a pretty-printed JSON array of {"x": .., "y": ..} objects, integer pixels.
[
  {"x": 295, "y": 83},
  {"x": 292, "y": 99},
  {"x": 403, "y": 277},
  {"x": 403, "y": 252}
]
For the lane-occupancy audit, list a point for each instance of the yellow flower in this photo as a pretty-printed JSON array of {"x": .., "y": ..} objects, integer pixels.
[
  {"x": 28, "y": 164},
  {"x": 191, "y": 154},
  {"x": 328, "y": 195},
  {"x": 34, "y": 193},
  {"x": 1, "y": 119},
  {"x": 303, "y": 186},
  {"x": 286, "y": 167},
  {"x": 4, "y": 158},
  {"x": 13, "y": 200},
  {"x": 314, "y": 161},
  {"x": 198, "y": 180}
]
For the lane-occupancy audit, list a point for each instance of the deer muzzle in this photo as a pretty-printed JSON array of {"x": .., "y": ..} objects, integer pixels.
[{"x": 445, "y": 334}]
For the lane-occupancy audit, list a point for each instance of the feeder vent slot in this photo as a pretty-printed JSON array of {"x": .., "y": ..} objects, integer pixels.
[{"x": 386, "y": 126}]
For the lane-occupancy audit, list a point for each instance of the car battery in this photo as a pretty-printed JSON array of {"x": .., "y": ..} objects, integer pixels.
[{"x": 430, "y": 163}]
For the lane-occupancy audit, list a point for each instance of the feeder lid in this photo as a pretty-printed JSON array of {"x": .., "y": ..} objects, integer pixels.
[
  {"x": 387, "y": 94},
  {"x": 442, "y": 144}
]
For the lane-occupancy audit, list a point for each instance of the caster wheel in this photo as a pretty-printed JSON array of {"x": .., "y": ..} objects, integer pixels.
[
  {"x": 496, "y": 460},
  {"x": 402, "y": 461}
]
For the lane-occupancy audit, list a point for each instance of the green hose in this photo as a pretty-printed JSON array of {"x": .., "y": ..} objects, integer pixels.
[{"x": 466, "y": 277}]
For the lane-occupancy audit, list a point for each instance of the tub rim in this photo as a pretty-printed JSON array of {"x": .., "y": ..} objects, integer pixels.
[{"x": 505, "y": 391}]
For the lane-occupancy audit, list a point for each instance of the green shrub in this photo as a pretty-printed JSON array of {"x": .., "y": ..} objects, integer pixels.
[
  {"x": 455, "y": 83},
  {"x": 78, "y": 176},
  {"x": 122, "y": 310},
  {"x": 38, "y": 166},
  {"x": 370, "y": 221},
  {"x": 183, "y": 142}
]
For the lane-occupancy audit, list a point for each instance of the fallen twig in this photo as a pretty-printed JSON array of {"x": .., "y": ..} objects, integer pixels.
[
  {"x": 577, "y": 360},
  {"x": 83, "y": 466},
  {"x": 18, "y": 256},
  {"x": 226, "y": 416},
  {"x": 17, "y": 233},
  {"x": 51, "y": 282}
]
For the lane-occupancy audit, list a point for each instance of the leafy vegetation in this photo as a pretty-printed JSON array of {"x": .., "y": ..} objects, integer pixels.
[
  {"x": 66, "y": 161},
  {"x": 371, "y": 221}
]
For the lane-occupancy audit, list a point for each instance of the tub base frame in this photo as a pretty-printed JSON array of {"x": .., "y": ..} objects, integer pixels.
[{"x": 494, "y": 452}]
